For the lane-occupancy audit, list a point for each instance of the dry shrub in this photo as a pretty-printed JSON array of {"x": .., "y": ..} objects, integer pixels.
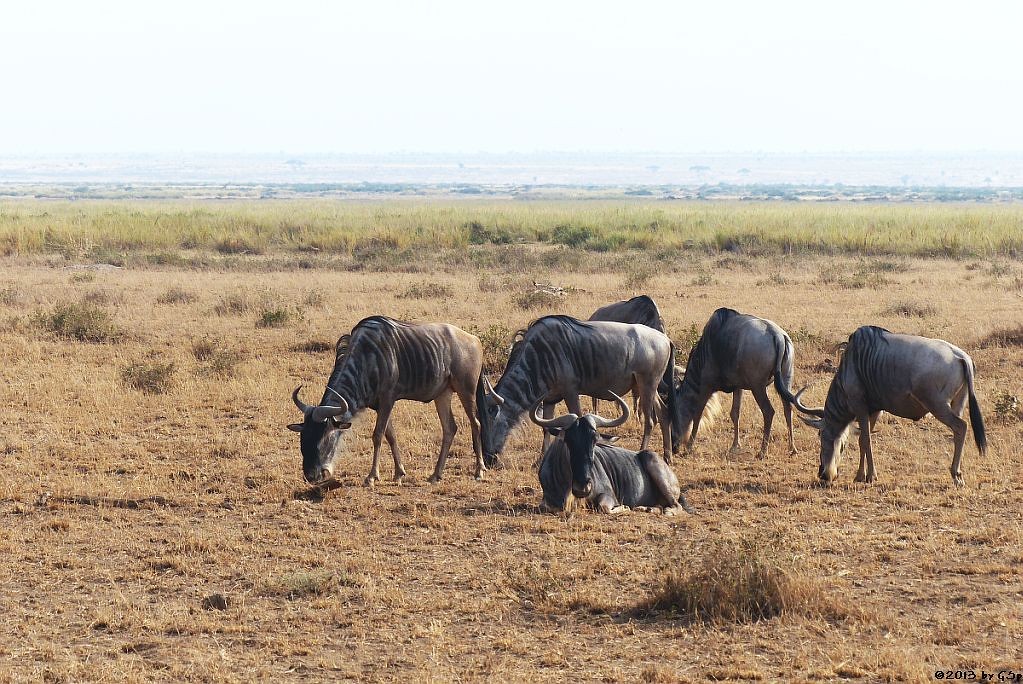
[
  {"x": 83, "y": 277},
  {"x": 216, "y": 359},
  {"x": 741, "y": 580},
  {"x": 149, "y": 376},
  {"x": 233, "y": 304},
  {"x": 537, "y": 299},
  {"x": 80, "y": 321},
  {"x": 427, "y": 291},
  {"x": 11, "y": 296},
  {"x": 237, "y": 245},
  {"x": 99, "y": 297},
  {"x": 312, "y": 347},
  {"x": 177, "y": 295},
  {"x": 496, "y": 341},
  {"x": 910, "y": 310},
  {"x": 1004, "y": 337},
  {"x": 276, "y": 317},
  {"x": 309, "y": 583}
]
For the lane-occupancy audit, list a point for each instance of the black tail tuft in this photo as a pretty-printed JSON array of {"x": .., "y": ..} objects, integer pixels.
[
  {"x": 976, "y": 419},
  {"x": 784, "y": 354},
  {"x": 669, "y": 382}
]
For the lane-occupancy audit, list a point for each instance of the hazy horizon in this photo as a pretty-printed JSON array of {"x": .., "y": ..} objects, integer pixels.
[{"x": 458, "y": 77}]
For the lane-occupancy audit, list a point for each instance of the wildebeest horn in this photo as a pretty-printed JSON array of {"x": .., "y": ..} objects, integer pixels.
[
  {"x": 320, "y": 414},
  {"x": 819, "y": 412},
  {"x": 601, "y": 422},
  {"x": 302, "y": 406},
  {"x": 498, "y": 399},
  {"x": 550, "y": 423}
]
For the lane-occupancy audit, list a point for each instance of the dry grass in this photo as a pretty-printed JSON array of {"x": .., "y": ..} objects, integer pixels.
[{"x": 125, "y": 512}]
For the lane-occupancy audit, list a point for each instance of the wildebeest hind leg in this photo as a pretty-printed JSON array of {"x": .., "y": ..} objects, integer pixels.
[
  {"x": 760, "y": 394},
  {"x": 448, "y": 429},
  {"x": 866, "y": 453},
  {"x": 469, "y": 404},
  {"x": 948, "y": 416}
]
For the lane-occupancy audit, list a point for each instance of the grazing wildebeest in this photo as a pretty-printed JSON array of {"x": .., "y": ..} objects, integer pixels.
[
  {"x": 907, "y": 376},
  {"x": 736, "y": 352},
  {"x": 383, "y": 361},
  {"x": 610, "y": 478},
  {"x": 641, "y": 310},
  {"x": 559, "y": 358}
]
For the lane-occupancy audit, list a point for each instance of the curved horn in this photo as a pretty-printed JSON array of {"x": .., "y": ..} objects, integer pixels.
[
  {"x": 601, "y": 422},
  {"x": 819, "y": 412},
  {"x": 549, "y": 423},
  {"x": 498, "y": 399},
  {"x": 302, "y": 406},
  {"x": 320, "y": 414}
]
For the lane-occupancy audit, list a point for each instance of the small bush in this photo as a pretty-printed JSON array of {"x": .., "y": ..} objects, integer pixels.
[
  {"x": 427, "y": 291},
  {"x": 11, "y": 296},
  {"x": 1004, "y": 337},
  {"x": 482, "y": 235},
  {"x": 79, "y": 321},
  {"x": 910, "y": 310},
  {"x": 149, "y": 376},
  {"x": 740, "y": 581},
  {"x": 638, "y": 277},
  {"x": 304, "y": 584},
  {"x": 571, "y": 236},
  {"x": 537, "y": 299},
  {"x": 314, "y": 299},
  {"x": 177, "y": 295},
  {"x": 233, "y": 304},
  {"x": 223, "y": 363},
  {"x": 83, "y": 277},
  {"x": 276, "y": 317},
  {"x": 98, "y": 297},
  {"x": 1007, "y": 407},
  {"x": 496, "y": 342},
  {"x": 237, "y": 245},
  {"x": 702, "y": 280}
]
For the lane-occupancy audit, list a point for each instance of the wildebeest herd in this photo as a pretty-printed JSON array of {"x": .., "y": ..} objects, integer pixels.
[{"x": 623, "y": 348}]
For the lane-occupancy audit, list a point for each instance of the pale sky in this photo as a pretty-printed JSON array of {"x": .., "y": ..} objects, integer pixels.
[{"x": 444, "y": 76}]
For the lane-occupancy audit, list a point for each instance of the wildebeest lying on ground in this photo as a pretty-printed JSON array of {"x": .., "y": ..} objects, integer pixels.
[
  {"x": 736, "y": 352},
  {"x": 383, "y": 361},
  {"x": 612, "y": 479},
  {"x": 905, "y": 375},
  {"x": 560, "y": 358}
]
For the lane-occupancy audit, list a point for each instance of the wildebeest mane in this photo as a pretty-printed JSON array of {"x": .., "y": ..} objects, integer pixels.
[
  {"x": 866, "y": 345},
  {"x": 706, "y": 348}
]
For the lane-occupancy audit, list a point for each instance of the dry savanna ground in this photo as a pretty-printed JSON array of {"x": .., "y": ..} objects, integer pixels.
[{"x": 156, "y": 525}]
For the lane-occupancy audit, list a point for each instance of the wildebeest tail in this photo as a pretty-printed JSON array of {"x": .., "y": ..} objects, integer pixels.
[
  {"x": 976, "y": 419},
  {"x": 783, "y": 360},
  {"x": 669, "y": 380},
  {"x": 484, "y": 418}
]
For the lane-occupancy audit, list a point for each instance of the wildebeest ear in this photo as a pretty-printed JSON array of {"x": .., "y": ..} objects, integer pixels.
[
  {"x": 295, "y": 427},
  {"x": 610, "y": 439},
  {"x": 815, "y": 423}
]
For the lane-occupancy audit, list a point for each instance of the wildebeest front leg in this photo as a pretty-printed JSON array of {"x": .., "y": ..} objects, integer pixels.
[
  {"x": 760, "y": 394},
  {"x": 697, "y": 417},
  {"x": 865, "y": 453},
  {"x": 736, "y": 410},
  {"x": 392, "y": 441},
  {"x": 469, "y": 404},
  {"x": 383, "y": 416},
  {"x": 606, "y": 503},
  {"x": 448, "y": 429}
]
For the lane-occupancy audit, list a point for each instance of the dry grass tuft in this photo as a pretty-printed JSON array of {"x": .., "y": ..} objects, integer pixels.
[
  {"x": 233, "y": 304},
  {"x": 312, "y": 347},
  {"x": 1003, "y": 337},
  {"x": 427, "y": 291},
  {"x": 910, "y": 310},
  {"x": 149, "y": 376},
  {"x": 277, "y": 317},
  {"x": 177, "y": 295},
  {"x": 216, "y": 359},
  {"x": 79, "y": 321},
  {"x": 537, "y": 299},
  {"x": 740, "y": 581}
]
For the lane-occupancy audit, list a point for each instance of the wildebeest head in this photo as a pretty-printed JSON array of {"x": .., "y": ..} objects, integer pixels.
[
  {"x": 580, "y": 434},
  {"x": 320, "y": 435},
  {"x": 833, "y": 439},
  {"x": 492, "y": 419}
]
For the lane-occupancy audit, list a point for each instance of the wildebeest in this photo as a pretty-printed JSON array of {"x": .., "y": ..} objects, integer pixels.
[
  {"x": 383, "y": 361},
  {"x": 577, "y": 464},
  {"x": 641, "y": 310},
  {"x": 559, "y": 358},
  {"x": 736, "y": 352},
  {"x": 907, "y": 376}
]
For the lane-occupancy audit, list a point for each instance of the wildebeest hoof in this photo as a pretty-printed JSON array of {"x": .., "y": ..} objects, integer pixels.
[
  {"x": 370, "y": 480},
  {"x": 434, "y": 478},
  {"x": 958, "y": 481},
  {"x": 735, "y": 450},
  {"x": 860, "y": 477}
]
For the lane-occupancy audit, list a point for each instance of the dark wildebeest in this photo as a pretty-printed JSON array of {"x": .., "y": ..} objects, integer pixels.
[
  {"x": 905, "y": 375},
  {"x": 736, "y": 352},
  {"x": 610, "y": 478},
  {"x": 641, "y": 310},
  {"x": 559, "y": 358},
  {"x": 383, "y": 361}
]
